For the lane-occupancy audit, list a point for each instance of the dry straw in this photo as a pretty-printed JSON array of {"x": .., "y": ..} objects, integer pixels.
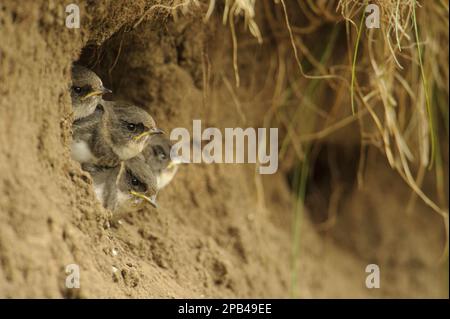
[{"x": 396, "y": 76}]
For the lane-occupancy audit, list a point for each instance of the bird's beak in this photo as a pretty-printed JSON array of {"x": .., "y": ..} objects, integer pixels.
[
  {"x": 105, "y": 90},
  {"x": 177, "y": 161},
  {"x": 101, "y": 91},
  {"x": 156, "y": 131},
  {"x": 150, "y": 133},
  {"x": 150, "y": 199}
]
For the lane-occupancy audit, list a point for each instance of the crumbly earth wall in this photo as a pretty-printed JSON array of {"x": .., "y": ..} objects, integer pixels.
[{"x": 214, "y": 234}]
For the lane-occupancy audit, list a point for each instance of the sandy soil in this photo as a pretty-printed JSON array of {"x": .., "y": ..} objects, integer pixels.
[{"x": 214, "y": 234}]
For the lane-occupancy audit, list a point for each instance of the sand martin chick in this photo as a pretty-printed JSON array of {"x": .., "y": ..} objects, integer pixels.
[
  {"x": 126, "y": 186},
  {"x": 86, "y": 91},
  {"x": 157, "y": 156},
  {"x": 115, "y": 132}
]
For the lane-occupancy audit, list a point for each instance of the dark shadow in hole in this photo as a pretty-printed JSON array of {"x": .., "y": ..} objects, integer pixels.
[{"x": 332, "y": 168}]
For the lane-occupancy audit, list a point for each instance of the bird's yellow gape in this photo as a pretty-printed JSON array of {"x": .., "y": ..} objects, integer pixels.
[
  {"x": 146, "y": 198},
  {"x": 143, "y": 134},
  {"x": 93, "y": 93},
  {"x": 148, "y": 133},
  {"x": 171, "y": 165},
  {"x": 96, "y": 92}
]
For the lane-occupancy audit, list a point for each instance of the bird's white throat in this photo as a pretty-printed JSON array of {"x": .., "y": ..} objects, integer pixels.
[
  {"x": 85, "y": 108},
  {"x": 81, "y": 152},
  {"x": 165, "y": 177},
  {"x": 130, "y": 150}
]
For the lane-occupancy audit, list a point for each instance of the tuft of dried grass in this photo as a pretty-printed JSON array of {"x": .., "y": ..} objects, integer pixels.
[
  {"x": 393, "y": 81},
  {"x": 393, "y": 75},
  {"x": 399, "y": 62},
  {"x": 233, "y": 9}
]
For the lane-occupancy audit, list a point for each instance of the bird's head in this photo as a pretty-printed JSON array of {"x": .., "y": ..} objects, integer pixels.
[
  {"x": 86, "y": 91},
  {"x": 138, "y": 182},
  {"x": 129, "y": 128},
  {"x": 157, "y": 154}
]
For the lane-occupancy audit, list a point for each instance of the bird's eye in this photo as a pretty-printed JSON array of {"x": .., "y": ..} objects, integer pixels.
[
  {"x": 135, "y": 181},
  {"x": 162, "y": 156},
  {"x": 131, "y": 127},
  {"x": 77, "y": 89},
  {"x": 159, "y": 152}
]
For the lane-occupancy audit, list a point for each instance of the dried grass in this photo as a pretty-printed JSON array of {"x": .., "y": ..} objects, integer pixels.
[
  {"x": 396, "y": 76},
  {"x": 403, "y": 66},
  {"x": 400, "y": 40}
]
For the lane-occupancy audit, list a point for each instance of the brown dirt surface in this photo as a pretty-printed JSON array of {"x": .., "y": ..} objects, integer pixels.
[{"x": 215, "y": 234}]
